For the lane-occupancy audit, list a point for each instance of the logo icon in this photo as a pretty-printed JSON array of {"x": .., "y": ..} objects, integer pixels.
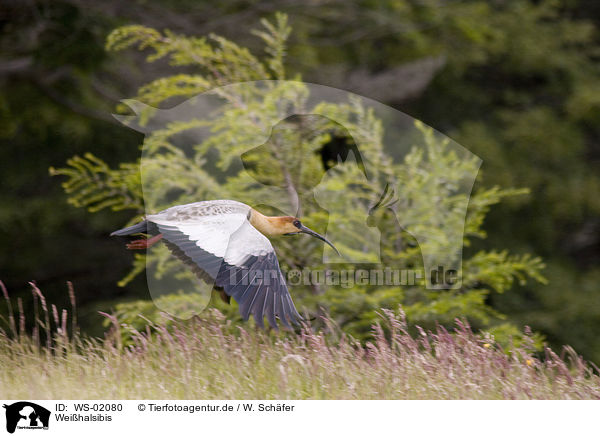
[
  {"x": 373, "y": 179},
  {"x": 26, "y": 415}
]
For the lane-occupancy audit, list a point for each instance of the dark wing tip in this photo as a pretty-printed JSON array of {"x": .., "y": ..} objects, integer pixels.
[{"x": 263, "y": 295}]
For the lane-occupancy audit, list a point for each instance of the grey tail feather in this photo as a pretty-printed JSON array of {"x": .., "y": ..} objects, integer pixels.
[{"x": 136, "y": 228}]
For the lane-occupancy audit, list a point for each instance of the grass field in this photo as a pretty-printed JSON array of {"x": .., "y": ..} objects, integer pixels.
[{"x": 212, "y": 359}]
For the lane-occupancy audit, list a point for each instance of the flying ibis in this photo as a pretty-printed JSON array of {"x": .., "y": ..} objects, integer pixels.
[{"x": 225, "y": 242}]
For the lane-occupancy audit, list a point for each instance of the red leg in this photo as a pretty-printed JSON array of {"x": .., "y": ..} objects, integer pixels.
[{"x": 142, "y": 244}]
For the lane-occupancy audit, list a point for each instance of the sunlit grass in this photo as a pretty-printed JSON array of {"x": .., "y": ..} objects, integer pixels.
[{"x": 212, "y": 359}]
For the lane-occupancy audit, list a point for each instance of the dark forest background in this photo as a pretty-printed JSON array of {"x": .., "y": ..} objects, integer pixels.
[{"x": 516, "y": 82}]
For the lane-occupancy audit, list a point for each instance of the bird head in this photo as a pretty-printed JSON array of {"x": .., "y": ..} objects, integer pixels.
[{"x": 290, "y": 225}]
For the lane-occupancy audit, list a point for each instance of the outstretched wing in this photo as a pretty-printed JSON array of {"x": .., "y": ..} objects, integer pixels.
[{"x": 228, "y": 250}]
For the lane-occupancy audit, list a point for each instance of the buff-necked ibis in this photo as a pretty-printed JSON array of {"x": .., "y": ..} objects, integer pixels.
[{"x": 226, "y": 242}]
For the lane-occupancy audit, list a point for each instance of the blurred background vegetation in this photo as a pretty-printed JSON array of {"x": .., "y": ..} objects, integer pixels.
[{"x": 516, "y": 82}]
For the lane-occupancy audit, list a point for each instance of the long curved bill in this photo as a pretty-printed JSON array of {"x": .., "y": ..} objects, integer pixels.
[{"x": 304, "y": 229}]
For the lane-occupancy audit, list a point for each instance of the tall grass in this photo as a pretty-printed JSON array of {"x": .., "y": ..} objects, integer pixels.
[{"x": 210, "y": 358}]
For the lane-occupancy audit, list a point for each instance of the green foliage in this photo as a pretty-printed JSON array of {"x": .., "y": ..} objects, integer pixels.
[
  {"x": 275, "y": 38},
  {"x": 290, "y": 160},
  {"x": 222, "y": 60},
  {"x": 510, "y": 338},
  {"x": 92, "y": 184}
]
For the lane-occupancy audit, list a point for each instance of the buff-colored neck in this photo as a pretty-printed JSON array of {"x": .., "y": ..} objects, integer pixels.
[{"x": 267, "y": 225}]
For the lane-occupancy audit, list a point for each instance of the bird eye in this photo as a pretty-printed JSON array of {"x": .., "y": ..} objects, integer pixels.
[{"x": 296, "y": 223}]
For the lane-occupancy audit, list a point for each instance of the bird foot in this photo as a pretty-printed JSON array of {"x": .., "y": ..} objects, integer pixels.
[{"x": 142, "y": 244}]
